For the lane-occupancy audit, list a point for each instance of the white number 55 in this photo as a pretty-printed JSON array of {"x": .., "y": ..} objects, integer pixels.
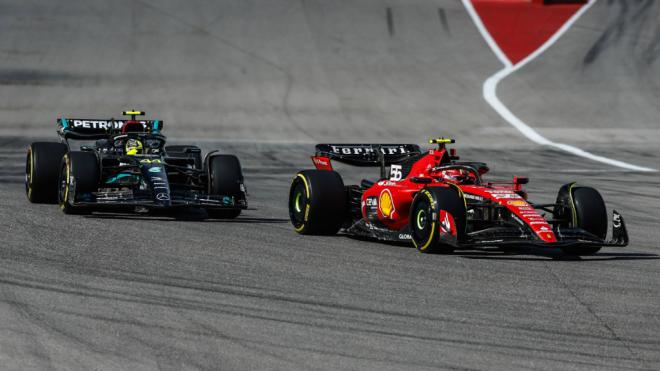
[{"x": 395, "y": 172}]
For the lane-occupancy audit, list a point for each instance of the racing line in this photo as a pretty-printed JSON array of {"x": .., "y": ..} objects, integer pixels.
[{"x": 490, "y": 87}]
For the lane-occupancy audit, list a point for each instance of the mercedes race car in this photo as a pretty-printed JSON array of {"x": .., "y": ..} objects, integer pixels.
[
  {"x": 125, "y": 164},
  {"x": 441, "y": 204}
]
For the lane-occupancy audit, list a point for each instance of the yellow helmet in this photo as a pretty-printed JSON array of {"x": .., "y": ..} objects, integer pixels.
[{"x": 133, "y": 147}]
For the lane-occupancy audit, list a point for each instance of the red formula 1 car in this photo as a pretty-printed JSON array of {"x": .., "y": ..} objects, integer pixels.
[{"x": 441, "y": 204}]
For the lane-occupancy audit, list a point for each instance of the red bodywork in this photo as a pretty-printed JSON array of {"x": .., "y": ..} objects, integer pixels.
[{"x": 394, "y": 197}]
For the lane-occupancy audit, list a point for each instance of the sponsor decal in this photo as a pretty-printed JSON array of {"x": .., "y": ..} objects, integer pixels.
[
  {"x": 386, "y": 183},
  {"x": 155, "y": 169},
  {"x": 364, "y": 150},
  {"x": 537, "y": 223},
  {"x": 162, "y": 197},
  {"x": 544, "y": 229},
  {"x": 148, "y": 161},
  {"x": 102, "y": 124},
  {"x": 97, "y": 124},
  {"x": 227, "y": 200},
  {"x": 503, "y": 194},
  {"x": 506, "y": 196},
  {"x": 473, "y": 197},
  {"x": 405, "y": 236},
  {"x": 616, "y": 221},
  {"x": 386, "y": 203},
  {"x": 320, "y": 161},
  {"x": 517, "y": 203},
  {"x": 371, "y": 209}
]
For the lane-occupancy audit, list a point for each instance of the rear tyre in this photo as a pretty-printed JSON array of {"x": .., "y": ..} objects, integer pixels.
[
  {"x": 437, "y": 220},
  {"x": 582, "y": 207},
  {"x": 79, "y": 174},
  {"x": 42, "y": 173},
  {"x": 225, "y": 179},
  {"x": 317, "y": 202}
]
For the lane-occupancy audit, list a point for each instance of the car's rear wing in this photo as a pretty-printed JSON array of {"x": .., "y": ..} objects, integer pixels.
[
  {"x": 368, "y": 154},
  {"x": 73, "y": 128}
]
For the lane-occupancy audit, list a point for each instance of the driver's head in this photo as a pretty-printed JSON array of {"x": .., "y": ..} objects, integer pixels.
[
  {"x": 460, "y": 176},
  {"x": 134, "y": 147}
]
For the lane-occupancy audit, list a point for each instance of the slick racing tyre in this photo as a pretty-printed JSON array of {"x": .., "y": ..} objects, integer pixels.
[
  {"x": 317, "y": 202},
  {"x": 582, "y": 207},
  {"x": 225, "y": 179},
  {"x": 79, "y": 174},
  {"x": 42, "y": 167},
  {"x": 437, "y": 219}
]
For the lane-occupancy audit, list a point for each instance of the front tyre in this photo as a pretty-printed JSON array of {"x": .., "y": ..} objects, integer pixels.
[
  {"x": 582, "y": 207},
  {"x": 437, "y": 219},
  {"x": 79, "y": 174},
  {"x": 317, "y": 202},
  {"x": 225, "y": 179}
]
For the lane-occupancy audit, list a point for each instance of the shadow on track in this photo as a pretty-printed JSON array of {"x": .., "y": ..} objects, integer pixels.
[
  {"x": 198, "y": 218},
  {"x": 536, "y": 254},
  {"x": 523, "y": 254}
]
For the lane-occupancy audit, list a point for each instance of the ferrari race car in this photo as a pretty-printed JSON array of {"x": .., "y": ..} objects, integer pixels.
[
  {"x": 128, "y": 166},
  {"x": 441, "y": 204}
]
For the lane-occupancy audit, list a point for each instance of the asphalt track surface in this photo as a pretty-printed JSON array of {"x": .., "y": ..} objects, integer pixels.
[{"x": 266, "y": 80}]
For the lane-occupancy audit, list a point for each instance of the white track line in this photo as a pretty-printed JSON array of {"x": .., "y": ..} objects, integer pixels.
[{"x": 490, "y": 88}]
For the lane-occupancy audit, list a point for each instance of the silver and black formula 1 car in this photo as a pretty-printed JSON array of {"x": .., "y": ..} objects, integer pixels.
[{"x": 126, "y": 165}]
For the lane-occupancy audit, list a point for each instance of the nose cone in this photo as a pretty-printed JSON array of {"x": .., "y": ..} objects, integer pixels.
[{"x": 155, "y": 174}]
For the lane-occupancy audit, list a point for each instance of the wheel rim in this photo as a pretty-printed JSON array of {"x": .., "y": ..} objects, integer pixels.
[
  {"x": 421, "y": 219},
  {"x": 298, "y": 203},
  {"x": 421, "y": 227}
]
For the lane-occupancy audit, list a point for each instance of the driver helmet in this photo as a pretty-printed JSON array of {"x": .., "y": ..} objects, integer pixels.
[
  {"x": 460, "y": 176},
  {"x": 134, "y": 147}
]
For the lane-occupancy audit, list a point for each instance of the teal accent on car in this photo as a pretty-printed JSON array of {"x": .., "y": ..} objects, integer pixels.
[{"x": 118, "y": 177}]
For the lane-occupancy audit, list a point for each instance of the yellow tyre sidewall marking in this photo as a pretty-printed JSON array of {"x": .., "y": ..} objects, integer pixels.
[
  {"x": 68, "y": 178},
  {"x": 430, "y": 239},
  {"x": 304, "y": 223}
]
